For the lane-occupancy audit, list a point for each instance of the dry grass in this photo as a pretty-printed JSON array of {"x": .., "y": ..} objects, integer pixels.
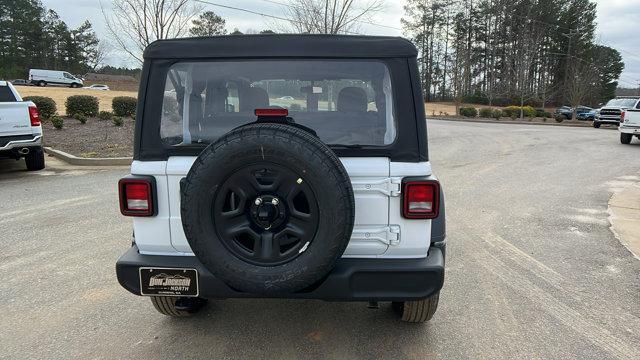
[{"x": 60, "y": 95}]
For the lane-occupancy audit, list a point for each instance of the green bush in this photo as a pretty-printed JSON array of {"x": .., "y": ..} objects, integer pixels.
[
  {"x": 496, "y": 114},
  {"x": 80, "y": 117},
  {"x": 82, "y": 104},
  {"x": 486, "y": 112},
  {"x": 468, "y": 112},
  {"x": 105, "y": 115},
  {"x": 117, "y": 120},
  {"x": 124, "y": 106},
  {"x": 57, "y": 122},
  {"x": 514, "y": 111},
  {"x": 46, "y": 106}
]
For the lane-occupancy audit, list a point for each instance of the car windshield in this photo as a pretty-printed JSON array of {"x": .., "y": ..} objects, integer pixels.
[
  {"x": 622, "y": 102},
  {"x": 344, "y": 102}
]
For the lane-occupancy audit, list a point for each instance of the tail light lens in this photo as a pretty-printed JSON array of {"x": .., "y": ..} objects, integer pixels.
[
  {"x": 136, "y": 196},
  {"x": 421, "y": 199},
  {"x": 34, "y": 116},
  {"x": 622, "y": 115}
]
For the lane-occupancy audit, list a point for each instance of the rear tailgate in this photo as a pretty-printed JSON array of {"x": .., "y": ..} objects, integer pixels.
[
  {"x": 632, "y": 118},
  {"x": 14, "y": 119}
]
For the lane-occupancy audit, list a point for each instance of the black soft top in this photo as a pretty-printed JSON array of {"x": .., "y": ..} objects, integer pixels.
[{"x": 282, "y": 46}]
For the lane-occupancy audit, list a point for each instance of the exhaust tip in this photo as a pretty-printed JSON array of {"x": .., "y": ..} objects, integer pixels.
[{"x": 23, "y": 151}]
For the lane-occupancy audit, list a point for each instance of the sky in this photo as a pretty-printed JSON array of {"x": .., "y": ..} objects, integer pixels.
[{"x": 617, "y": 21}]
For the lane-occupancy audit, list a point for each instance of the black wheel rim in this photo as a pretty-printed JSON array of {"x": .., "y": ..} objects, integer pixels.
[{"x": 265, "y": 214}]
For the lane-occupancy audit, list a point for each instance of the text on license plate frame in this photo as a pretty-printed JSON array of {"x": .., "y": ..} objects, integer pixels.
[{"x": 155, "y": 281}]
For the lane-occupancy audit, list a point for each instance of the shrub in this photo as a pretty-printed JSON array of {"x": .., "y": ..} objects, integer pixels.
[
  {"x": 560, "y": 118},
  {"x": 528, "y": 111},
  {"x": 468, "y": 112},
  {"x": 82, "y": 104},
  {"x": 486, "y": 112},
  {"x": 496, "y": 114},
  {"x": 46, "y": 106},
  {"x": 57, "y": 122},
  {"x": 117, "y": 120},
  {"x": 514, "y": 111},
  {"x": 105, "y": 115},
  {"x": 80, "y": 117},
  {"x": 124, "y": 106}
]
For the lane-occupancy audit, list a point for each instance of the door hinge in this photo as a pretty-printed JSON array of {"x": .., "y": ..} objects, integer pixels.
[
  {"x": 388, "y": 186},
  {"x": 389, "y": 235}
]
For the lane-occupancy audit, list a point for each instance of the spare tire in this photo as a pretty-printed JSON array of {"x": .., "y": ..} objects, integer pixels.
[{"x": 268, "y": 208}]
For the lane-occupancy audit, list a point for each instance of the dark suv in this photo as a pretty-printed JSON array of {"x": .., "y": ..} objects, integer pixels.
[{"x": 286, "y": 166}]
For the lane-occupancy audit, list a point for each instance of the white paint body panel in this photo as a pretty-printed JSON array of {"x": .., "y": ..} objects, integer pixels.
[{"x": 379, "y": 228}]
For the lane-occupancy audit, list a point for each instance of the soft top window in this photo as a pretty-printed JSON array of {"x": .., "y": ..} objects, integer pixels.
[{"x": 347, "y": 102}]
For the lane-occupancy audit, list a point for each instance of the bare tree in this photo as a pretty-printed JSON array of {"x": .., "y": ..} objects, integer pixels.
[
  {"x": 99, "y": 55},
  {"x": 330, "y": 16},
  {"x": 582, "y": 78},
  {"x": 134, "y": 24}
]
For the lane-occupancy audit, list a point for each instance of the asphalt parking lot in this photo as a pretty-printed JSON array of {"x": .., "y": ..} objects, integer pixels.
[{"x": 533, "y": 270}]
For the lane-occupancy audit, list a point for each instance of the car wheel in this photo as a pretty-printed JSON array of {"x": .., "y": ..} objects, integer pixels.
[
  {"x": 625, "y": 138},
  {"x": 42, "y": 83},
  {"x": 268, "y": 208},
  {"x": 35, "y": 159},
  {"x": 417, "y": 311},
  {"x": 177, "y": 306},
  {"x": 596, "y": 124}
]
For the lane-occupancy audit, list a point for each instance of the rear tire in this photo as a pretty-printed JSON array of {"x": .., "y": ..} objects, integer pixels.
[
  {"x": 176, "y": 306},
  {"x": 625, "y": 138},
  {"x": 42, "y": 83},
  {"x": 35, "y": 159},
  {"x": 417, "y": 311},
  {"x": 596, "y": 124}
]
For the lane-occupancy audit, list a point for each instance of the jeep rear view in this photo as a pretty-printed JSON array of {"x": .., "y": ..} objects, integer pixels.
[{"x": 283, "y": 166}]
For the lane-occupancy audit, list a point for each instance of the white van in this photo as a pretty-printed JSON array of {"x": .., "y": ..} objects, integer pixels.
[{"x": 45, "y": 77}]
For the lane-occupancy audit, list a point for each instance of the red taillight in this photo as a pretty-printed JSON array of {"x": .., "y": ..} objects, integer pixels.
[
  {"x": 622, "y": 114},
  {"x": 34, "y": 116},
  {"x": 421, "y": 199},
  {"x": 272, "y": 112},
  {"x": 136, "y": 197}
]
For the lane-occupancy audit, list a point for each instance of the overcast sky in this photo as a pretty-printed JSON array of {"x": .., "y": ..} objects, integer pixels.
[{"x": 617, "y": 27}]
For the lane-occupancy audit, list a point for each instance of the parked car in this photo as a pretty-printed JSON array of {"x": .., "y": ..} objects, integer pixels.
[
  {"x": 42, "y": 77},
  {"x": 20, "y": 128},
  {"x": 97, "y": 87},
  {"x": 567, "y": 111},
  {"x": 630, "y": 123},
  {"x": 588, "y": 115},
  {"x": 19, "y": 82},
  {"x": 333, "y": 205},
  {"x": 286, "y": 98},
  {"x": 611, "y": 113}
]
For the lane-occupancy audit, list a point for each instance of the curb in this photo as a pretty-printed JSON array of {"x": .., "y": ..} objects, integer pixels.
[
  {"x": 624, "y": 217},
  {"x": 74, "y": 160},
  {"x": 509, "y": 122}
]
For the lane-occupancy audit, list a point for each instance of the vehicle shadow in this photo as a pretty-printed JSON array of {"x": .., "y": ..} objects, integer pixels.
[{"x": 275, "y": 328}]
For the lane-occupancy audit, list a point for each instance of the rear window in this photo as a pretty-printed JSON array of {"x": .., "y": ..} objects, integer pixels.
[
  {"x": 345, "y": 102},
  {"x": 6, "y": 95}
]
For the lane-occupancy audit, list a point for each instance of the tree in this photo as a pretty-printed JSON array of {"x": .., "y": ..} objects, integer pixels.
[
  {"x": 134, "y": 24},
  {"x": 208, "y": 24},
  {"x": 330, "y": 16}
]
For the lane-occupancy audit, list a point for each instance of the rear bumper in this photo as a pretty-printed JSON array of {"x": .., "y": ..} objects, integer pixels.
[
  {"x": 350, "y": 279},
  {"x": 607, "y": 120},
  {"x": 635, "y": 130},
  {"x": 18, "y": 142}
]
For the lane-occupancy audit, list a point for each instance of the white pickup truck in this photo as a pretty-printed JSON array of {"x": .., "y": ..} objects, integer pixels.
[
  {"x": 630, "y": 123},
  {"x": 20, "y": 129}
]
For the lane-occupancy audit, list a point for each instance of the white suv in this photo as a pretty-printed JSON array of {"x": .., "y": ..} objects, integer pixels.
[{"x": 236, "y": 193}]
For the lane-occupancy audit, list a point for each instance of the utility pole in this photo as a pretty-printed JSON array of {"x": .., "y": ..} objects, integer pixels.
[{"x": 569, "y": 36}]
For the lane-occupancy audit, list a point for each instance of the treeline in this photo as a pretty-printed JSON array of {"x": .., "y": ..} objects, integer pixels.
[
  {"x": 507, "y": 52},
  {"x": 33, "y": 37}
]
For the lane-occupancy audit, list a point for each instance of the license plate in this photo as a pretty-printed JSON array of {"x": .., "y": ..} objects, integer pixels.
[{"x": 169, "y": 282}]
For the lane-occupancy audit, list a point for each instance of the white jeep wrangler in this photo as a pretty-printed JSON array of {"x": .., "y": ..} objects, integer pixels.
[{"x": 283, "y": 166}]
